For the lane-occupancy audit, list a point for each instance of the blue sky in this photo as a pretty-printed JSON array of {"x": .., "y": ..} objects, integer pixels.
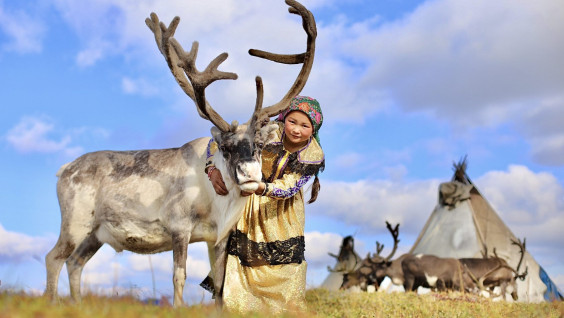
[{"x": 407, "y": 88}]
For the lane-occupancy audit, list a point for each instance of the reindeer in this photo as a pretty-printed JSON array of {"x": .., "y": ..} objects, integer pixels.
[
  {"x": 434, "y": 272},
  {"x": 410, "y": 271},
  {"x": 150, "y": 201},
  {"x": 372, "y": 269},
  {"x": 490, "y": 272}
]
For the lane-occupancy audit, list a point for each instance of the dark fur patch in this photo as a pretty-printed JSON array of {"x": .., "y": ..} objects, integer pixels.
[
  {"x": 140, "y": 165},
  {"x": 85, "y": 251},
  {"x": 67, "y": 251},
  {"x": 132, "y": 240},
  {"x": 179, "y": 244}
]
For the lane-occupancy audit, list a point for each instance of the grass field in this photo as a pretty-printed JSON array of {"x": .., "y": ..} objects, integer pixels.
[{"x": 321, "y": 303}]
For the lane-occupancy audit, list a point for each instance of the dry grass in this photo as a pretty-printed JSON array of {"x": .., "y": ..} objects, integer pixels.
[
  {"x": 321, "y": 303},
  {"x": 342, "y": 304}
]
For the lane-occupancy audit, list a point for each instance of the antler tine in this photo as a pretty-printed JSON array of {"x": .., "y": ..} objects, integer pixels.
[
  {"x": 484, "y": 251},
  {"x": 395, "y": 234},
  {"x": 201, "y": 80},
  {"x": 524, "y": 275},
  {"x": 379, "y": 248},
  {"x": 521, "y": 246},
  {"x": 162, "y": 37},
  {"x": 183, "y": 68},
  {"x": 308, "y": 22},
  {"x": 258, "y": 105}
]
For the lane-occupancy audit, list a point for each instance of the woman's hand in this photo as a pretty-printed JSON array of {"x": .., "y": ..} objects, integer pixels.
[{"x": 217, "y": 182}]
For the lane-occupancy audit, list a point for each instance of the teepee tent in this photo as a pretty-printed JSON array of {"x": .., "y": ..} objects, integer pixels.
[{"x": 463, "y": 224}]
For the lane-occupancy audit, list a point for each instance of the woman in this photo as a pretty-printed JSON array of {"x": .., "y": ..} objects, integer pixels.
[{"x": 266, "y": 268}]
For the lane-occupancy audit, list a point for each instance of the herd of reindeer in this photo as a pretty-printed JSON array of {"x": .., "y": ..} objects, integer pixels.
[{"x": 471, "y": 275}]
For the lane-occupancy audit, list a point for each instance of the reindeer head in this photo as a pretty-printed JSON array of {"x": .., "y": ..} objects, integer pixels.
[
  {"x": 239, "y": 146},
  {"x": 239, "y": 154}
]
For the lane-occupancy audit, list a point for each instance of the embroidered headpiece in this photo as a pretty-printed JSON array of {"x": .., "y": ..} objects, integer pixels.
[{"x": 308, "y": 106}]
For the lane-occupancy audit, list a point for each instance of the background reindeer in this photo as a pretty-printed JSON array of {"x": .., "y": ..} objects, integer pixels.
[
  {"x": 150, "y": 201},
  {"x": 372, "y": 269},
  {"x": 493, "y": 271}
]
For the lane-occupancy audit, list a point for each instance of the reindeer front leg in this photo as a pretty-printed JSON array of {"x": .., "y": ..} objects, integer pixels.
[
  {"x": 179, "y": 254},
  {"x": 218, "y": 269}
]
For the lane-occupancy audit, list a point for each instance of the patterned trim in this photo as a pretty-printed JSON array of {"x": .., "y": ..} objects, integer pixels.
[
  {"x": 280, "y": 193},
  {"x": 208, "y": 149},
  {"x": 293, "y": 163},
  {"x": 280, "y": 166},
  {"x": 250, "y": 253},
  {"x": 210, "y": 152},
  {"x": 300, "y": 151},
  {"x": 208, "y": 285}
]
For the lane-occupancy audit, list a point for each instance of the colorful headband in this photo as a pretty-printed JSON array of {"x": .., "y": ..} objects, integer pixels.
[{"x": 308, "y": 106}]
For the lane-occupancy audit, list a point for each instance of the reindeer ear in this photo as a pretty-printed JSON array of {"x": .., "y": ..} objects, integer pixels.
[
  {"x": 216, "y": 134},
  {"x": 268, "y": 132}
]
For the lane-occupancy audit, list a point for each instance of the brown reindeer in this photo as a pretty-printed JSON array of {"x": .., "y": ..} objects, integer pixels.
[
  {"x": 434, "y": 272},
  {"x": 150, "y": 201},
  {"x": 372, "y": 268},
  {"x": 490, "y": 272}
]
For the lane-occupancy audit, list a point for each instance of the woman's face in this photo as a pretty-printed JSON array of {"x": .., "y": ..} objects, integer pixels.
[{"x": 297, "y": 127}]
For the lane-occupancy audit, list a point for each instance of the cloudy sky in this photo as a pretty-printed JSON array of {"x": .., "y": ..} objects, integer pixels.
[{"x": 407, "y": 88}]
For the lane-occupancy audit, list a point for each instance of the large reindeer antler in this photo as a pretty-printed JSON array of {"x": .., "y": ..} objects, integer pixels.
[
  {"x": 395, "y": 234},
  {"x": 193, "y": 82},
  {"x": 183, "y": 67},
  {"x": 521, "y": 245},
  {"x": 308, "y": 22},
  {"x": 379, "y": 247}
]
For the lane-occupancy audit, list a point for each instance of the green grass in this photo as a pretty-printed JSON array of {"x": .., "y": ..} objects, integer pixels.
[{"x": 321, "y": 303}]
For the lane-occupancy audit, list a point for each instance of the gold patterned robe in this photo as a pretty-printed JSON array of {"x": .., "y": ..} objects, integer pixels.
[{"x": 266, "y": 268}]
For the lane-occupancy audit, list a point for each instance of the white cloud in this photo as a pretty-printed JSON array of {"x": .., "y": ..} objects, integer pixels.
[
  {"x": 16, "y": 247},
  {"x": 549, "y": 150},
  {"x": 472, "y": 63},
  {"x": 467, "y": 58},
  {"x": 318, "y": 245},
  {"x": 40, "y": 135},
  {"x": 89, "y": 57},
  {"x": 25, "y": 33},
  {"x": 542, "y": 124},
  {"x": 368, "y": 204},
  {"x": 138, "y": 86},
  {"x": 349, "y": 160},
  {"x": 32, "y": 134},
  {"x": 532, "y": 204},
  {"x": 160, "y": 262},
  {"x": 104, "y": 268}
]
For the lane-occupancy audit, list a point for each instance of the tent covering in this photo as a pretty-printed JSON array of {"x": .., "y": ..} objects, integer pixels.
[{"x": 463, "y": 224}]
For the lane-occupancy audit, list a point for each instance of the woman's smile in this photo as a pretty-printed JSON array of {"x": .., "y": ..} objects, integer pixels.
[{"x": 298, "y": 129}]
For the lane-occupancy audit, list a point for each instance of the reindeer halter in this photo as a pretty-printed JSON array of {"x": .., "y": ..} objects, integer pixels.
[{"x": 308, "y": 106}]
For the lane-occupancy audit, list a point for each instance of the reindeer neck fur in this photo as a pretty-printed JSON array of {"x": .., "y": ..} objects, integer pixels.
[{"x": 229, "y": 207}]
